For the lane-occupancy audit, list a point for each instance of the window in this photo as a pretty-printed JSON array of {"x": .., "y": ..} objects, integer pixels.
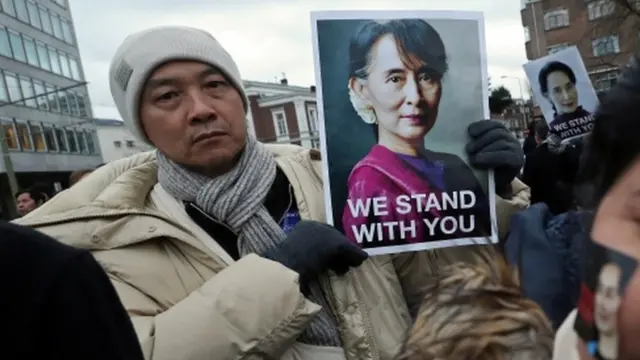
[
  {"x": 117, "y": 144},
  {"x": 62, "y": 3},
  {"x": 64, "y": 64},
  {"x": 41, "y": 100},
  {"x": 527, "y": 35},
  {"x": 601, "y": 8},
  {"x": 52, "y": 97},
  {"x": 91, "y": 145},
  {"x": 15, "y": 95},
  {"x": 66, "y": 32},
  {"x": 21, "y": 10},
  {"x": 556, "y": 19},
  {"x": 75, "y": 68},
  {"x": 82, "y": 108},
  {"x": 31, "y": 52},
  {"x": 27, "y": 92},
  {"x": 5, "y": 45},
  {"x": 63, "y": 102},
  {"x": 315, "y": 143},
  {"x": 280, "y": 123},
  {"x": 34, "y": 15},
  {"x": 10, "y": 134},
  {"x": 555, "y": 48},
  {"x": 46, "y": 20},
  {"x": 312, "y": 119},
  {"x": 7, "y": 7},
  {"x": 24, "y": 136},
  {"x": 61, "y": 140},
  {"x": 57, "y": 26},
  {"x": 604, "y": 81},
  {"x": 72, "y": 102},
  {"x": 4, "y": 95},
  {"x": 17, "y": 46},
  {"x": 81, "y": 141},
  {"x": 37, "y": 136},
  {"x": 71, "y": 138},
  {"x": 50, "y": 138},
  {"x": 43, "y": 56},
  {"x": 55, "y": 60},
  {"x": 130, "y": 144},
  {"x": 606, "y": 45}
]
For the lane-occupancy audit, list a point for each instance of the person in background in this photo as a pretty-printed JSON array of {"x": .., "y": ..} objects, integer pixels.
[
  {"x": 216, "y": 243},
  {"x": 30, "y": 199},
  {"x": 478, "y": 312},
  {"x": 79, "y": 175},
  {"x": 530, "y": 142},
  {"x": 550, "y": 170},
  {"x": 58, "y": 303}
]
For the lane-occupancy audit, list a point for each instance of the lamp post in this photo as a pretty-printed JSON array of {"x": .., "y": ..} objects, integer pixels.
[
  {"x": 525, "y": 117},
  {"x": 4, "y": 147}
]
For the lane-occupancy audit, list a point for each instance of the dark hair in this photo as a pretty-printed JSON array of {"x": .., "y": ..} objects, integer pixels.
[
  {"x": 542, "y": 129},
  {"x": 36, "y": 193},
  {"x": 613, "y": 144},
  {"x": 413, "y": 36},
  {"x": 549, "y": 68}
]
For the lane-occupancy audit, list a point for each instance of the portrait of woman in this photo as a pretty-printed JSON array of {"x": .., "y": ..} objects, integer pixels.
[
  {"x": 557, "y": 83},
  {"x": 396, "y": 71}
]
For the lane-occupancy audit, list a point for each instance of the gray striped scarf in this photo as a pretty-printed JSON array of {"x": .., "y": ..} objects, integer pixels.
[{"x": 236, "y": 199}]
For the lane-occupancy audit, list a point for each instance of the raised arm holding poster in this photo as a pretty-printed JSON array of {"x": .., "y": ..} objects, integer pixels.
[
  {"x": 397, "y": 90},
  {"x": 562, "y": 88}
]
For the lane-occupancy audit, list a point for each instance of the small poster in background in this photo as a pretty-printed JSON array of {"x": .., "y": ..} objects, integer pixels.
[
  {"x": 396, "y": 92},
  {"x": 563, "y": 89}
]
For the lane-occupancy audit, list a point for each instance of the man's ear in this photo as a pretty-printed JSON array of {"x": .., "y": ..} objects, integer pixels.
[{"x": 359, "y": 87}]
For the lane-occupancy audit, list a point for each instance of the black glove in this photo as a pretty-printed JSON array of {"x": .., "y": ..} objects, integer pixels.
[
  {"x": 312, "y": 248},
  {"x": 493, "y": 147}
]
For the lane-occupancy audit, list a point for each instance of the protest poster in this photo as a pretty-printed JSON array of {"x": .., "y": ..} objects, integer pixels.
[
  {"x": 562, "y": 88},
  {"x": 396, "y": 92}
]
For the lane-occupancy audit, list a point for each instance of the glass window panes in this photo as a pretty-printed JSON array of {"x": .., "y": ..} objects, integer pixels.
[
  {"x": 82, "y": 107},
  {"x": 37, "y": 136},
  {"x": 55, "y": 60},
  {"x": 91, "y": 145},
  {"x": 46, "y": 20},
  {"x": 71, "y": 138},
  {"x": 24, "y": 136},
  {"x": 82, "y": 146},
  {"x": 5, "y": 46},
  {"x": 75, "y": 68},
  {"x": 64, "y": 64},
  {"x": 15, "y": 95},
  {"x": 49, "y": 138},
  {"x": 27, "y": 92},
  {"x": 66, "y": 32},
  {"x": 39, "y": 89},
  {"x": 10, "y": 135},
  {"x": 34, "y": 15},
  {"x": 61, "y": 138},
  {"x": 7, "y": 7},
  {"x": 30, "y": 50},
  {"x": 52, "y": 96},
  {"x": 21, "y": 10},
  {"x": 72, "y": 101},
  {"x": 43, "y": 56},
  {"x": 16, "y": 45},
  {"x": 63, "y": 102},
  {"x": 57, "y": 26},
  {"x": 4, "y": 95}
]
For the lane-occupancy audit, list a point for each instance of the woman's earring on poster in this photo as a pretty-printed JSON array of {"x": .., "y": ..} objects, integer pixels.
[{"x": 362, "y": 108}]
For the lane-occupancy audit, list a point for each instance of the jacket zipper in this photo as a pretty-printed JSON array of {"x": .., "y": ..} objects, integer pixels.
[{"x": 212, "y": 219}]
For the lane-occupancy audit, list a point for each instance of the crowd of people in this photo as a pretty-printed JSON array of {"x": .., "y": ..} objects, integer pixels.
[{"x": 181, "y": 253}]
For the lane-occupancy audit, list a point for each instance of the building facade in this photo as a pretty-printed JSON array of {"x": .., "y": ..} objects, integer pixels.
[
  {"x": 45, "y": 110},
  {"x": 116, "y": 142},
  {"x": 283, "y": 113},
  {"x": 606, "y": 32}
]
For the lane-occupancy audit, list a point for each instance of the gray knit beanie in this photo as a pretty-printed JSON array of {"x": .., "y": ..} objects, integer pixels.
[{"x": 142, "y": 52}]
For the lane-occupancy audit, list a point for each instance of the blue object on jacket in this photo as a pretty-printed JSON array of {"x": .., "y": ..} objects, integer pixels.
[{"x": 546, "y": 250}]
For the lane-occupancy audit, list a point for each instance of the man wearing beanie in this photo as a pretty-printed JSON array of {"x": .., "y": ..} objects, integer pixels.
[{"x": 216, "y": 242}]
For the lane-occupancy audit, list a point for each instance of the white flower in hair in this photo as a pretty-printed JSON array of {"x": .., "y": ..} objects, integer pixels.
[{"x": 365, "y": 111}]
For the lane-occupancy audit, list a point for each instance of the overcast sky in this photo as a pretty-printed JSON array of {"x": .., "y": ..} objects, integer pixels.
[{"x": 271, "y": 37}]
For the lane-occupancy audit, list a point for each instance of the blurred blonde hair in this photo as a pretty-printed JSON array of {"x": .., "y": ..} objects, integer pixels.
[{"x": 477, "y": 312}]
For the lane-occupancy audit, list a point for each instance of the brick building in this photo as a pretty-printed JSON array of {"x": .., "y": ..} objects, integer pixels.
[
  {"x": 283, "y": 113},
  {"x": 606, "y": 32}
]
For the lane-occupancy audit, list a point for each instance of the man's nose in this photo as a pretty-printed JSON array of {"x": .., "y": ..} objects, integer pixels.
[{"x": 200, "y": 109}]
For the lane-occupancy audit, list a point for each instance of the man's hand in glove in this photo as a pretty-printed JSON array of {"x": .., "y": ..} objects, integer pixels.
[
  {"x": 493, "y": 147},
  {"x": 311, "y": 248}
]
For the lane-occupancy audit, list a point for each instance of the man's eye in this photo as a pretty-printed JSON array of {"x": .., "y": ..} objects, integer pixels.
[
  {"x": 167, "y": 96},
  {"x": 216, "y": 84}
]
